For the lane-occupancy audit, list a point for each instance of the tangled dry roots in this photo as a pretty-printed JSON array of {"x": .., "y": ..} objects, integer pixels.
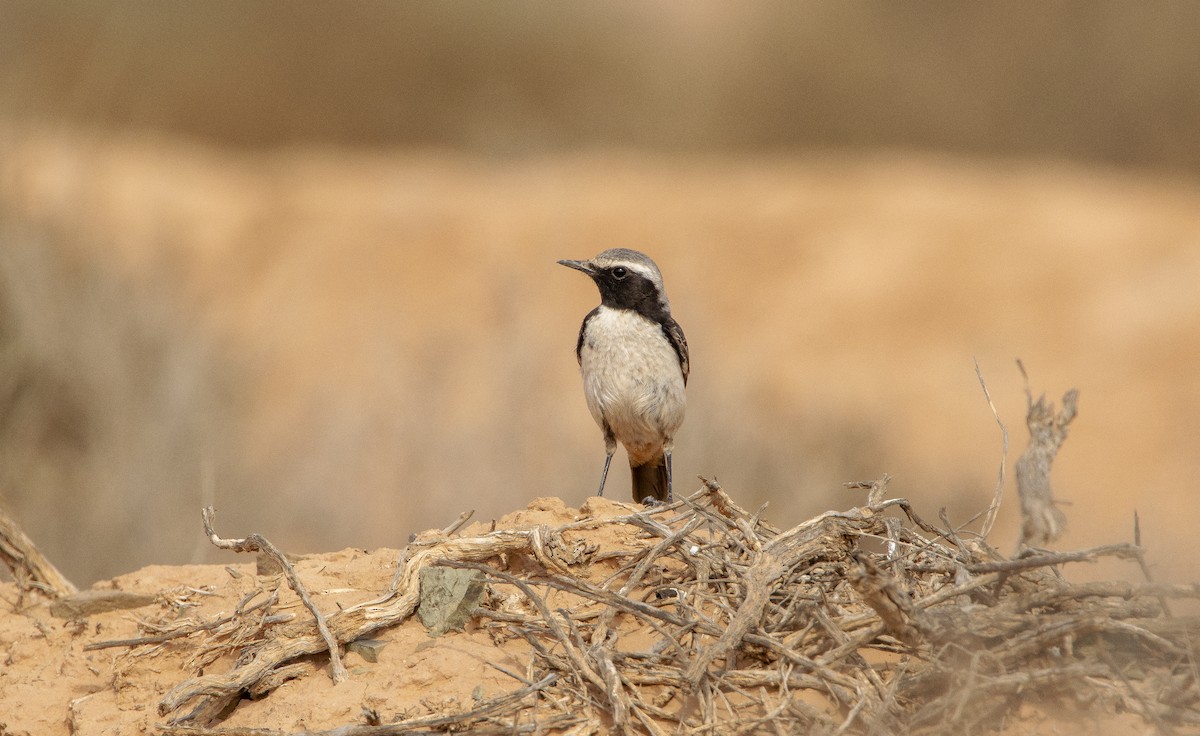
[{"x": 712, "y": 621}]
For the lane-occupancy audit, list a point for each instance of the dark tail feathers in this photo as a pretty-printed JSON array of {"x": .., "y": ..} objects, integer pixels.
[{"x": 650, "y": 481}]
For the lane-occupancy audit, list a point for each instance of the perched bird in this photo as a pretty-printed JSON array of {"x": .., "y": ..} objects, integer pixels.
[{"x": 634, "y": 361}]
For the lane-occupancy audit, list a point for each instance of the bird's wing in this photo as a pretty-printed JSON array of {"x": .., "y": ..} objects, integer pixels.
[
  {"x": 582, "y": 329},
  {"x": 674, "y": 333}
]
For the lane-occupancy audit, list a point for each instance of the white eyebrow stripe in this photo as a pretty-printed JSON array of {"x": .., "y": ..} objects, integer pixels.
[
  {"x": 636, "y": 262},
  {"x": 641, "y": 270}
]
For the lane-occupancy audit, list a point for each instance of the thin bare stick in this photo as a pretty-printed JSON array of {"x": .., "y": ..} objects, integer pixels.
[
  {"x": 256, "y": 543},
  {"x": 1126, "y": 551},
  {"x": 1137, "y": 541},
  {"x": 447, "y": 723},
  {"x": 994, "y": 507}
]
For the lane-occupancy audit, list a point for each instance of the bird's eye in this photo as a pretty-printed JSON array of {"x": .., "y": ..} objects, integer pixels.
[{"x": 619, "y": 272}]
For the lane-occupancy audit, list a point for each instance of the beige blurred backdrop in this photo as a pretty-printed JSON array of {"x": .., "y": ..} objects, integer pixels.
[{"x": 298, "y": 260}]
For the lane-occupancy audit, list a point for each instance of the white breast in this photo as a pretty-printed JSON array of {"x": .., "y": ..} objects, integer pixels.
[{"x": 632, "y": 381}]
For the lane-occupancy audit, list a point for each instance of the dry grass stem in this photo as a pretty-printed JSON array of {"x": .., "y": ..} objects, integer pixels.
[{"x": 994, "y": 507}]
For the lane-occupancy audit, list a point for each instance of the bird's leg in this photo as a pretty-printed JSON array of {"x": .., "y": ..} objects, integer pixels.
[
  {"x": 610, "y": 446},
  {"x": 667, "y": 456}
]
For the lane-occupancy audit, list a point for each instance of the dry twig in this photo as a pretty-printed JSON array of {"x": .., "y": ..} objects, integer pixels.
[{"x": 259, "y": 543}]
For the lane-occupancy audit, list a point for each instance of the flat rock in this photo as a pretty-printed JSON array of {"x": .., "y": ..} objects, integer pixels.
[{"x": 91, "y": 602}]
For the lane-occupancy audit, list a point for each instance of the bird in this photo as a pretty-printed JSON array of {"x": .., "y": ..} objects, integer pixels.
[{"x": 634, "y": 361}]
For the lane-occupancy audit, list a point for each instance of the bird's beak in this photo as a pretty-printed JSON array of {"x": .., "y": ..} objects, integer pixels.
[{"x": 585, "y": 266}]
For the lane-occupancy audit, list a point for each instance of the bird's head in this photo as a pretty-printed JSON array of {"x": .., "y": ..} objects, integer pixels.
[{"x": 627, "y": 279}]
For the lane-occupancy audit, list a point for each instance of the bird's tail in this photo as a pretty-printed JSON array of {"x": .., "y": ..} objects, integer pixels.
[{"x": 650, "y": 480}]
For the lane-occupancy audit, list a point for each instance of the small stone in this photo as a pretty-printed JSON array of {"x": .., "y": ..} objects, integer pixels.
[{"x": 368, "y": 649}]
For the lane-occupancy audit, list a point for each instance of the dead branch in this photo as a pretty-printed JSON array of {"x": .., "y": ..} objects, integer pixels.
[
  {"x": 813, "y": 539},
  {"x": 410, "y": 727},
  {"x": 440, "y": 724},
  {"x": 458, "y": 523},
  {"x": 891, "y": 603},
  {"x": 186, "y": 630},
  {"x": 1041, "y": 521},
  {"x": 31, "y": 570}
]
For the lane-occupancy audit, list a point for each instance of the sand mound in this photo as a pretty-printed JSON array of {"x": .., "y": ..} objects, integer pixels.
[{"x": 611, "y": 618}]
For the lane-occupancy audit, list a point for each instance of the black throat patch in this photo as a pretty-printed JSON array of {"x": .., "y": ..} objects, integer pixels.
[{"x": 637, "y": 293}]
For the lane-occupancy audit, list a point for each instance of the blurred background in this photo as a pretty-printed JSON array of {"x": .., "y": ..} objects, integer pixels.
[{"x": 298, "y": 259}]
